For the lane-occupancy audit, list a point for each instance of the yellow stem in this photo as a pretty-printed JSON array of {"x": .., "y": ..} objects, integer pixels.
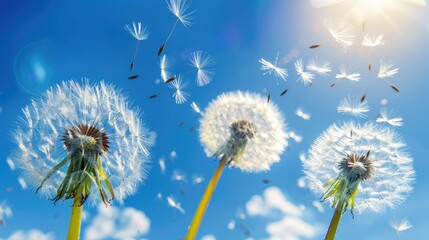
[
  {"x": 195, "y": 224},
  {"x": 334, "y": 224},
  {"x": 75, "y": 219}
]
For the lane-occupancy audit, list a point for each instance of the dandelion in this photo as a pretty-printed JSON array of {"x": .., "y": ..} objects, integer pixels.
[
  {"x": 5, "y": 211},
  {"x": 179, "y": 9},
  {"x": 180, "y": 95},
  {"x": 140, "y": 33},
  {"x": 305, "y": 77},
  {"x": 178, "y": 176},
  {"x": 320, "y": 66},
  {"x": 389, "y": 118},
  {"x": 300, "y": 113},
  {"x": 196, "y": 108},
  {"x": 203, "y": 63},
  {"x": 196, "y": 179},
  {"x": 353, "y": 107},
  {"x": 359, "y": 167},
  {"x": 162, "y": 167},
  {"x": 371, "y": 41},
  {"x": 165, "y": 74},
  {"x": 341, "y": 32},
  {"x": 387, "y": 71},
  {"x": 270, "y": 68},
  {"x": 245, "y": 132},
  {"x": 90, "y": 128},
  {"x": 174, "y": 204},
  {"x": 344, "y": 74},
  {"x": 400, "y": 226}
]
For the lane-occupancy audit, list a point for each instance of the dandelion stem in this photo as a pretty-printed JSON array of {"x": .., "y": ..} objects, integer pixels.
[
  {"x": 196, "y": 221},
  {"x": 334, "y": 224},
  {"x": 75, "y": 219}
]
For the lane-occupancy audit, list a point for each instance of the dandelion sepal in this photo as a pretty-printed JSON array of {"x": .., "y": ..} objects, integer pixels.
[{"x": 196, "y": 221}]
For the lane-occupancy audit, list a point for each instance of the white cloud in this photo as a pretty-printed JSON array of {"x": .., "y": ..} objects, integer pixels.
[
  {"x": 112, "y": 222},
  {"x": 208, "y": 237},
  {"x": 290, "y": 225},
  {"x": 32, "y": 234}
]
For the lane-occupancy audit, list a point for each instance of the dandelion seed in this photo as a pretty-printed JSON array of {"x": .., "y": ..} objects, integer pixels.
[
  {"x": 173, "y": 155},
  {"x": 384, "y": 101},
  {"x": 300, "y": 113},
  {"x": 301, "y": 182},
  {"x": 174, "y": 204},
  {"x": 11, "y": 164},
  {"x": 159, "y": 196},
  {"x": 180, "y": 95},
  {"x": 389, "y": 118},
  {"x": 5, "y": 211},
  {"x": 318, "y": 206},
  {"x": 140, "y": 33},
  {"x": 284, "y": 92},
  {"x": 400, "y": 226},
  {"x": 320, "y": 66},
  {"x": 162, "y": 167},
  {"x": 203, "y": 63},
  {"x": 245, "y": 132},
  {"x": 302, "y": 157},
  {"x": 231, "y": 224},
  {"x": 270, "y": 68},
  {"x": 370, "y": 41},
  {"x": 153, "y": 96},
  {"x": 341, "y": 32},
  {"x": 353, "y": 107},
  {"x": 366, "y": 170},
  {"x": 386, "y": 70},
  {"x": 133, "y": 77},
  {"x": 178, "y": 176},
  {"x": 196, "y": 179},
  {"x": 305, "y": 77},
  {"x": 91, "y": 129},
  {"x": 195, "y": 107},
  {"x": 23, "y": 183},
  {"x": 165, "y": 74},
  {"x": 179, "y": 9}
]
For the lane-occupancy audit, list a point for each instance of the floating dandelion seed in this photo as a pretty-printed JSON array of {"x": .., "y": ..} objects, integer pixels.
[
  {"x": 162, "y": 167},
  {"x": 245, "y": 132},
  {"x": 389, "y": 118},
  {"x": 5, "y": 211},
  {"x": 355, "y": 77},
  {"x": 297, "y": 138},
  {"x": 180, "y": 95},
  {"x": 22, "y": 183},
  {"x": 361, "y": 167},
  {"x": 387, "y": 71},
  {"x": 203, "y": 63},
  {"x": 353, "y": 107},
  {"x": 231, "y": 224},
  {"x": 165, "y": 74},
  {"x": 140, "y": 33},
  {"x": 91, "y": 129},
  {"x": 371, "y": 41},
  {"x": 196, "y": 179},
  {"x": 400, "y": 226},
  {"x": 300, "y": 113},
  {"x": 320, "y": 66},
  {"x": 305, "y": 77},
  {"x": 195, "y": 107},
  {"x": 342, "y": 32},
  {"x": 11, "y": 164},
  {"x": 270, "y": 68},
  {"x": 179, "y": 9},
  {"x": 174, "y": 204},
  {"x": 178, "y": 176}
]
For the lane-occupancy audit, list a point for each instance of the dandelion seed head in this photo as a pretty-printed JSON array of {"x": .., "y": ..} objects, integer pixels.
[
  {"x": 138, "y": 31},
  {"x": 195, "y": 107},
  {"x": 178, "y": 8},
  {"x": 174, "y": 204},
  {"x": 245, "y": 128},
  {"x": 180, "y": 95},
  {"x": 371, "y": 152},
  {"x": 352, "y": 106},
  {"x": 204, "y": 65},
  {"x": 94, "y": 122},
  {"x": 305, "y": 78}
]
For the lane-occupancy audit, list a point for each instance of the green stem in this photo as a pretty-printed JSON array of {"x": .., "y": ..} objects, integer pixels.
[
  {"x": 75, "y": 219},
  {"x": 334, "y": 224},
  {"x": 196, "y": 221}
]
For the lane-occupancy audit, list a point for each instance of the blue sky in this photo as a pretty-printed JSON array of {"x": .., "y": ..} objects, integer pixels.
[{"x": 77, "y": 39}]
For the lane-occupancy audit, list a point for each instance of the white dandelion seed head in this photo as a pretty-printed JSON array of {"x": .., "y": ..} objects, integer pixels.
[
  {"x": 355, "y": 77},
  {"x": 372, "y": 41},
  {"x": 204, "y": 65},
  {"x": 269, "y": 137},
  {"x": 392, "y": 175},
  {"x": 390, "y": 117},
  {"x": 41, "y": 145},
  {"x": 320, "y": 66},
  {"x": 270, "y": 68},
  {"x": 386, "y": 70},
  {"x": 352, "y": 106},
  {"x": 342, "y": 32},
  {"x": 180, "y": 95},
  {"x": 138, "y": 31},
  {"x": 305, "y": 78},
  {"x": 178, "y": 8}
]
